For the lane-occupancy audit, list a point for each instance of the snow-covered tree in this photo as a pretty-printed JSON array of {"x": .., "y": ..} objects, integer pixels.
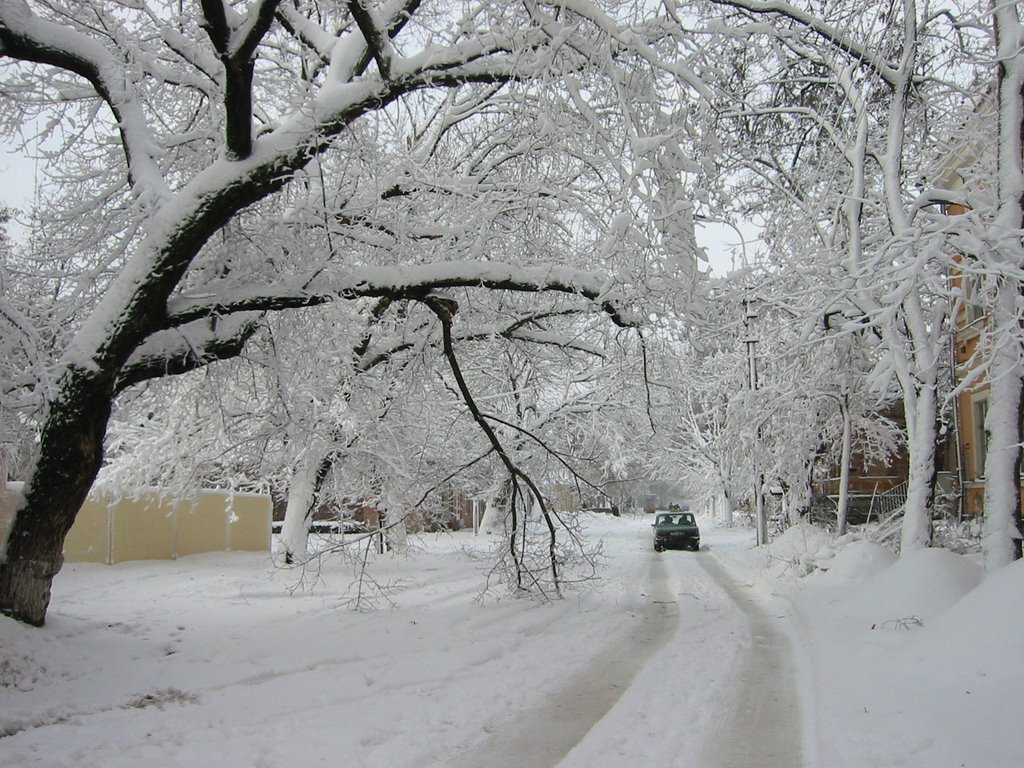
[
  {"x": 1004, "y": 259},
  {"x": 758, "y": 393},
  {"x": 841, "y": 100},
  {"x": 196, "y": 142}
]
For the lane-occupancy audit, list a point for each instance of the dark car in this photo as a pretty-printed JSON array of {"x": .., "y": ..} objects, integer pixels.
[
  {"x": 676, "y": 530},
  {"x": 343, "y": 525},
  {"x": 612, "y": 510}
]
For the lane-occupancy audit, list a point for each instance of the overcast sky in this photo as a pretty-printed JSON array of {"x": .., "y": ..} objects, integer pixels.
[
  {"x": 17, "y": 174},
  {"x": 17, "y": 179}
]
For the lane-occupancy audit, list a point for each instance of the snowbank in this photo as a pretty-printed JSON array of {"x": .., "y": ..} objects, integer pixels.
[
  {"x": 916, "y": 587},
  {"x": 918, "y": 660},
  {"x": 798, "y": 550},
  {"x": 858, "y": 560}
]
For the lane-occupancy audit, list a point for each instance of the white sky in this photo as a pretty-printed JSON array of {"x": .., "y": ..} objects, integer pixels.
[
  {"x": 18, "y": 173},
  {"x": 727, "y": 248},
  {"x": 17, "y": 181}
]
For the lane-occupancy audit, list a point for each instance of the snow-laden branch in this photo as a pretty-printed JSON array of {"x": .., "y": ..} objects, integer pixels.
[
  {"x": 188, "y": 348},
  {"x": 25, "y": 36},
  {"x": 375, "y": 35},
  {"x": 630, "y": 38},
  {"x": 413, "y": 282},
  {"x": 799, "y": 111},
  {"x": 828, "y": 32},
  {"x": 182, "y": 226},
  {"x": 308, "y": 32},
  {"x": 367, "y": 359},
  {"x": 444, "y": 310},
  {"x": 235, "y": 41}
]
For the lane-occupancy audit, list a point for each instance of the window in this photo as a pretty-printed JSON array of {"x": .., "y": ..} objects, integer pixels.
[
  {"x": 980, "y": 408},
  {"x": 974, "y": 297}
]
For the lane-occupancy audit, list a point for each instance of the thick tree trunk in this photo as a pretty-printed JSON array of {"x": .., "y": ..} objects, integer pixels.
[
  {"x": 299, "y": 513},
  {"x": 70, "y": 456},
  {"x": 922, "y": 413},
  {"x": 1001, "y": 533},
  {"x": 491, "y": 521},
  {"x": 397, "y": 534},
  {"x": 1000, "y": 541},
  {"x": 727, "y": 509},
  {"x": 303, "y": 500},
  {"x": 727, "y": 506},
  {"x": 761, "y": 511}
]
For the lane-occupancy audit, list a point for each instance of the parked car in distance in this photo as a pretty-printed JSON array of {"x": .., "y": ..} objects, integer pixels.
[
  {"x": 328, "y": 526},
  {"x": 612, "y": 510},
  {"x": 675, "y": 530}
]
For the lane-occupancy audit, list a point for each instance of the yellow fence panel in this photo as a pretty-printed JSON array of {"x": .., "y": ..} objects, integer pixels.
[
  {"x": 8, "y": 501},
  {"x": 153, "y": 525},
  {"x": 202, "y": 525},
  {"x": 88, "y": 541},
  {"x": 249, "y": 519},
  {"x": 143, "y": 528}
]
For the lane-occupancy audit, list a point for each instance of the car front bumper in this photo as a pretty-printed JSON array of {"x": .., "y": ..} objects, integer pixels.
[{"x": 677, "y": 541}]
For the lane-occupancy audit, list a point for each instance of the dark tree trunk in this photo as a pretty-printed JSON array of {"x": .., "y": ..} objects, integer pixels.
[
  {"x": 70, "y": 455},
  {"x": 71, "y": 447}
]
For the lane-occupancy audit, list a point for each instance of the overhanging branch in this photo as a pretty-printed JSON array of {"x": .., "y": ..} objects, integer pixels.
[
  {"x": 174, "y": 352},
  {"x": 445, "y": 311},
  {"x": 412, "y": 282}
]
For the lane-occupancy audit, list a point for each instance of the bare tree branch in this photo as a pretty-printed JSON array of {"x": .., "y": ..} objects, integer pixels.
[{"x": 445, "y": 311}]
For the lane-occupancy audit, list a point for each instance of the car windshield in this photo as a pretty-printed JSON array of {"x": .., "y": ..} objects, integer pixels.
[{"x": 684, "y": 519}]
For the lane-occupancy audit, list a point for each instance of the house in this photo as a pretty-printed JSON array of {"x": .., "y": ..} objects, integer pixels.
[
  {"x": 876, "y": 489},
  {"x": 970, "y": 406},
  {"x": 969, "y": 320}
]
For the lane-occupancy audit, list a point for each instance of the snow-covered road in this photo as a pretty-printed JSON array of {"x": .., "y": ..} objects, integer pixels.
[
  {"x": 545, "y": 733},
  {"x": 213, "y": 659},
  {"x": 755, "y": 721},
  {"x": 722, "y": 690},
  {"x": 676, "y": 660}
]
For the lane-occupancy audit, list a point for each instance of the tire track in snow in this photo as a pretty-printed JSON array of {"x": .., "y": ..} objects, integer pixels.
[
  {"x": 761, "y": 724},
  {"x": 544, "y": 735}
]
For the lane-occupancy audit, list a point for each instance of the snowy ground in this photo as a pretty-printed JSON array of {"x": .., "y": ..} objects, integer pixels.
[{"x": 217, "y": 660}]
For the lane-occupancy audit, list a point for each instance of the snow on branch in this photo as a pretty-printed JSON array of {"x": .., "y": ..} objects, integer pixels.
[
  {"x": 27, "y": 37},
  {"x": 631, "y": 37},
  {"x": 235, "y": 44},
  {"x": 515, "y": 331},
  {"x": 373, "y": 32},
  {"x": 823, "y": 29},
  {"x": 308, "y": 32},
  {"x": 410, "y": 282},
  {"x": 188, "y": 348}
]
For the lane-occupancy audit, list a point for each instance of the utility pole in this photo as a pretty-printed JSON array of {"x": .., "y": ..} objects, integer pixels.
[{"x": 749, "y": 316}]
